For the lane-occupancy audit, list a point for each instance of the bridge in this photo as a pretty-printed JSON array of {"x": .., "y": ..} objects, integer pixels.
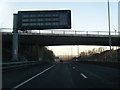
[{"x": 61, "y": 37}]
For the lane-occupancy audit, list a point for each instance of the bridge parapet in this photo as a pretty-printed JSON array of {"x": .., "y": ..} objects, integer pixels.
[{"x": 67, "y": 33}]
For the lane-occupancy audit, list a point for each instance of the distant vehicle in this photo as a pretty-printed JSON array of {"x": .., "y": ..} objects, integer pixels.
[
  {"x": 76, "y": 60},
  {"x": 61, "y": 60}
]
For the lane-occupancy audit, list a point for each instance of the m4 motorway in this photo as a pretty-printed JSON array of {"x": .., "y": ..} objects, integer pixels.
[{"x": 62, "y": 75}]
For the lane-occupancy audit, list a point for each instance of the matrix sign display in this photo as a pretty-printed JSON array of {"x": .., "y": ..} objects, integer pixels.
[{"x": 47, "y": 19}]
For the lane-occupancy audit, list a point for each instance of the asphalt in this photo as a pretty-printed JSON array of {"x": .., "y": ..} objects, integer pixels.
[{"x": 63, "y": 75}]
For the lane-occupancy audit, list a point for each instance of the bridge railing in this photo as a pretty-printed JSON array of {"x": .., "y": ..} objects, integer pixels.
[{"x": 65, "y": 32}]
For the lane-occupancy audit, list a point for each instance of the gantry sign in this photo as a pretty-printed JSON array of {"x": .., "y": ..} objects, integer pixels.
[
  {"x": 45, "y": 19},
  {"x": 39, "y": 20}
]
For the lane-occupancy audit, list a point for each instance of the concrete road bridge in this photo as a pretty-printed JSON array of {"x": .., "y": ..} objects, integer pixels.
[{"x": 63, "y": 37}]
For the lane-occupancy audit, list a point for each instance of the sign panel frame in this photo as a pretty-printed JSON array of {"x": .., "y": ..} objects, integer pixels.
[{"x": 44, "y": 19}]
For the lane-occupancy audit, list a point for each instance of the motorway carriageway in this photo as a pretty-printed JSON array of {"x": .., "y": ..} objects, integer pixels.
[{"x": 62, "y": 75}]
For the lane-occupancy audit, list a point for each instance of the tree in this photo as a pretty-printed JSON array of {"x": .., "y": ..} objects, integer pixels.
[{"x": 101, "y": 49}]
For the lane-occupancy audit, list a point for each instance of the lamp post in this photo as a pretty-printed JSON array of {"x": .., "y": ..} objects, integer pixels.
[
  {"x": 71, "y": 52},
  {"x": 116, "y": 46},
  {"x": 109, "y": 29},
  {"x": 78, "y": 51}
]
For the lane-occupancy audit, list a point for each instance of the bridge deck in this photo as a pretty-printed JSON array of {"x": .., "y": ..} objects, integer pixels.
[{"x": 61, "y": 39}]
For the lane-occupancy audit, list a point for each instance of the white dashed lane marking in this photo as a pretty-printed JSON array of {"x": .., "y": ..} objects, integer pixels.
[{"x": 83, "y": 75}]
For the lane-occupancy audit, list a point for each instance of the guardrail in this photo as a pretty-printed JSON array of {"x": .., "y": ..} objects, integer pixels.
[
  {"x": 68, "y": 33},
  {"x": 16, "y": 65}
]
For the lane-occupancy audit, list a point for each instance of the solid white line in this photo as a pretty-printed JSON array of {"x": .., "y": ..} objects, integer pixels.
[
  {"x": 17, "y": 86},
  {"x": 83, "y": 75}
]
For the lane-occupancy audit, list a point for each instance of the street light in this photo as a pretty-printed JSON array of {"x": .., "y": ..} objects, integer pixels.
[
  {"x": 71, "y": 52},
  {"x": 116, "y": 46},
  {"x": 78, "y": 51},
  {"x": 109, "y": 28}
]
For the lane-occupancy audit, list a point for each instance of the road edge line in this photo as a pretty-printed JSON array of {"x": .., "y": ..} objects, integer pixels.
[{"x": 19, "y": 85}]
